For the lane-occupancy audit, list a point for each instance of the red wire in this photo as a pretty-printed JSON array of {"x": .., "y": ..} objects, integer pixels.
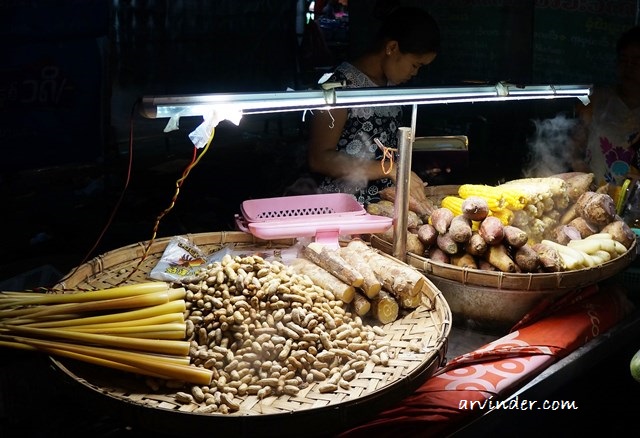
[{"x": 118, "y": 202}]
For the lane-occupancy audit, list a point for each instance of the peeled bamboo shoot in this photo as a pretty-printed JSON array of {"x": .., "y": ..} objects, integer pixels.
[
  {"x": 324, "y": 279},
  {"x": 331, "y": 260},
  {"x": 384, "y": 307}
]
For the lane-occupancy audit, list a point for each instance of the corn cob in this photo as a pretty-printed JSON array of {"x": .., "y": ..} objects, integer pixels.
[
  {"x": 453, "y": 203},
  {"x": 505, "y": 215},
  {"x": 498, "y": 197},
  {"x": 489, "y": 193}
]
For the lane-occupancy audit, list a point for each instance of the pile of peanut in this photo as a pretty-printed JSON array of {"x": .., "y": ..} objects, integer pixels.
[{"x": 265, "y": 330}]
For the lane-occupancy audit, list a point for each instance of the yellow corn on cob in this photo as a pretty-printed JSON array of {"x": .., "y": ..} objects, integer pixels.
[
  {"x": 505, "y": 215},
  {"x": 453, "y": 203},
  {"x": 488, "y": 193},
  {"x": 497, "y": 197}
]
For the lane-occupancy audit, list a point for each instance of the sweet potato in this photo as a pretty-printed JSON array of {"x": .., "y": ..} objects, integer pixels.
[
  {"x": 475, "y": 208},
  {"x": 527, "y": 259},
  {"x": 485, "y": 265},
  {"x": 515, "y": 236},
  {"x": 414, "y": 244},
  {"x": 437, "y": 255},
  {"x": 441, "y": 219},
  {"x": 492, "y": 230},
  {"x": 464, "y": 260},
  {"x": 476, "y": 245},
  {"x": 446, "y": 243},
  {"x": 423, "y": 208},
  {"x": 569, "y": 214},
  {"x": 460, "y": 228},
  {"x": 427, "y": 234},
  {"x": 578, "y": 184},
  {"x": 498, "y": 256},
  {"x": 386, "y": 208},
  {"x": 621, "y": 232}
]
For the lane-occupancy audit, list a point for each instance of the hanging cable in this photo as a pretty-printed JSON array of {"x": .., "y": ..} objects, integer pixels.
[
  {"x": 120, "y": 198},
  {"x": 194, "y": 161}
]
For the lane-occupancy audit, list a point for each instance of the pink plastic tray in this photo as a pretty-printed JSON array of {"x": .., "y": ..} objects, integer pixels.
[
  {"x": 323, "y": 216},
  {"x": 325, "y": 204}
]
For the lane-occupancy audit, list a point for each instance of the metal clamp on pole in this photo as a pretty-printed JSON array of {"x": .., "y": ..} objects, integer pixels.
[{"x": 329, "y": 91}]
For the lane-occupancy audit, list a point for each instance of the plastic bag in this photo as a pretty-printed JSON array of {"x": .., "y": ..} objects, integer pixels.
[{"x": 180, "y": 259}]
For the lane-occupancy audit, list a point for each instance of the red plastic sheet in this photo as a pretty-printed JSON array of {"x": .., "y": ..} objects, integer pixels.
[{"x": 471, "y": 383}]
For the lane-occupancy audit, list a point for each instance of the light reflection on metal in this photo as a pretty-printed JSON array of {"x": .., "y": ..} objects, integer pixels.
[{"x": 270, "y": 102}]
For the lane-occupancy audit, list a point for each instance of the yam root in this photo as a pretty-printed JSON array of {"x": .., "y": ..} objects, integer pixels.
[
  {"x": 596, "y": 208},
  {"x": 565, "y": 233},
  {"x": 499, "y": 257},
  {"x": 460, "y": 229},
  {"x": 620, "y": 232},
  {"x": 492, "y": 230},
  {"x": 550, "y": 259},
  {"x": 343, "y": 291},
  {"x": 441, "y": 219},
  {"x": 584, "y": 227},
  {"x": 396, "y": 277},
  {"x": 385, "y": 308},
  {"x": 475, "y": 208},
  {"x": 332, "y": 261},
  {"x": 527, "y": 259},
  {"x": 370, "y": 285}
]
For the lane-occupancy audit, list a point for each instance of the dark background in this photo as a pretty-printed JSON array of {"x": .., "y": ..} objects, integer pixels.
[{"x": 71, "y": 74}]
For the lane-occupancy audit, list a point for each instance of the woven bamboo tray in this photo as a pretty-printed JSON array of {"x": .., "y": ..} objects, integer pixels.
[
  {"x": 566, "y": 280},
  {"x": 310, "y": 412}
]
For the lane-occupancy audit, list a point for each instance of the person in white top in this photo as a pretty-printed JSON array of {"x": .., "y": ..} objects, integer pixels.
[{"x": 608, "y": 134}]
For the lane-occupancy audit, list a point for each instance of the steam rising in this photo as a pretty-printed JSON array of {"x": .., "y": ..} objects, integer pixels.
[{"x": 550, "y": 147}]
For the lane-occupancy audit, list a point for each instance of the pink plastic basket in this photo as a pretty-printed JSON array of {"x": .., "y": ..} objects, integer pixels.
[
  {"x": 323, "y": 216},
  {"x": 275, "y": 209}
]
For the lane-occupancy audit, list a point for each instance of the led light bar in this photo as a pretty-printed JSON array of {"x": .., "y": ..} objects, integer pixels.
[{"x": 155, "y": 107}]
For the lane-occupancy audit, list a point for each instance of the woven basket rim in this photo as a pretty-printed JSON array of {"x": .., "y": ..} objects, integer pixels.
[
  {"x": 516, "y": 281},
  {"x": 434, "y": 320}
]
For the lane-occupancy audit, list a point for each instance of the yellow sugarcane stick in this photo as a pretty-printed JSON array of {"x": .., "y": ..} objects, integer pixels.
[
  {"x": 162, "y": 346},
  {"x": 148, "y": 312},
  {"x": 32, "y": 298}
]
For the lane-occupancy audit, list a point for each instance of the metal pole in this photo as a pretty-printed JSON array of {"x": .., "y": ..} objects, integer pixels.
[{"x": 401, "y": 205}]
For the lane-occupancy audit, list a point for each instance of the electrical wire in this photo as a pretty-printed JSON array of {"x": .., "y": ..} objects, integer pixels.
[
  {"x": 194, "y": 161},
  {"x": 120, "y": 198}
]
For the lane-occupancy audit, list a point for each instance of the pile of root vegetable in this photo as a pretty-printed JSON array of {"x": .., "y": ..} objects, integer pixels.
[
  {"x": 552, "y": 224},
  {"x": 241, "y": 330}
]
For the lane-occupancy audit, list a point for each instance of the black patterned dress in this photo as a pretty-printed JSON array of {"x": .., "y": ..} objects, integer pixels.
[{"x": 363, "y": 125}]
